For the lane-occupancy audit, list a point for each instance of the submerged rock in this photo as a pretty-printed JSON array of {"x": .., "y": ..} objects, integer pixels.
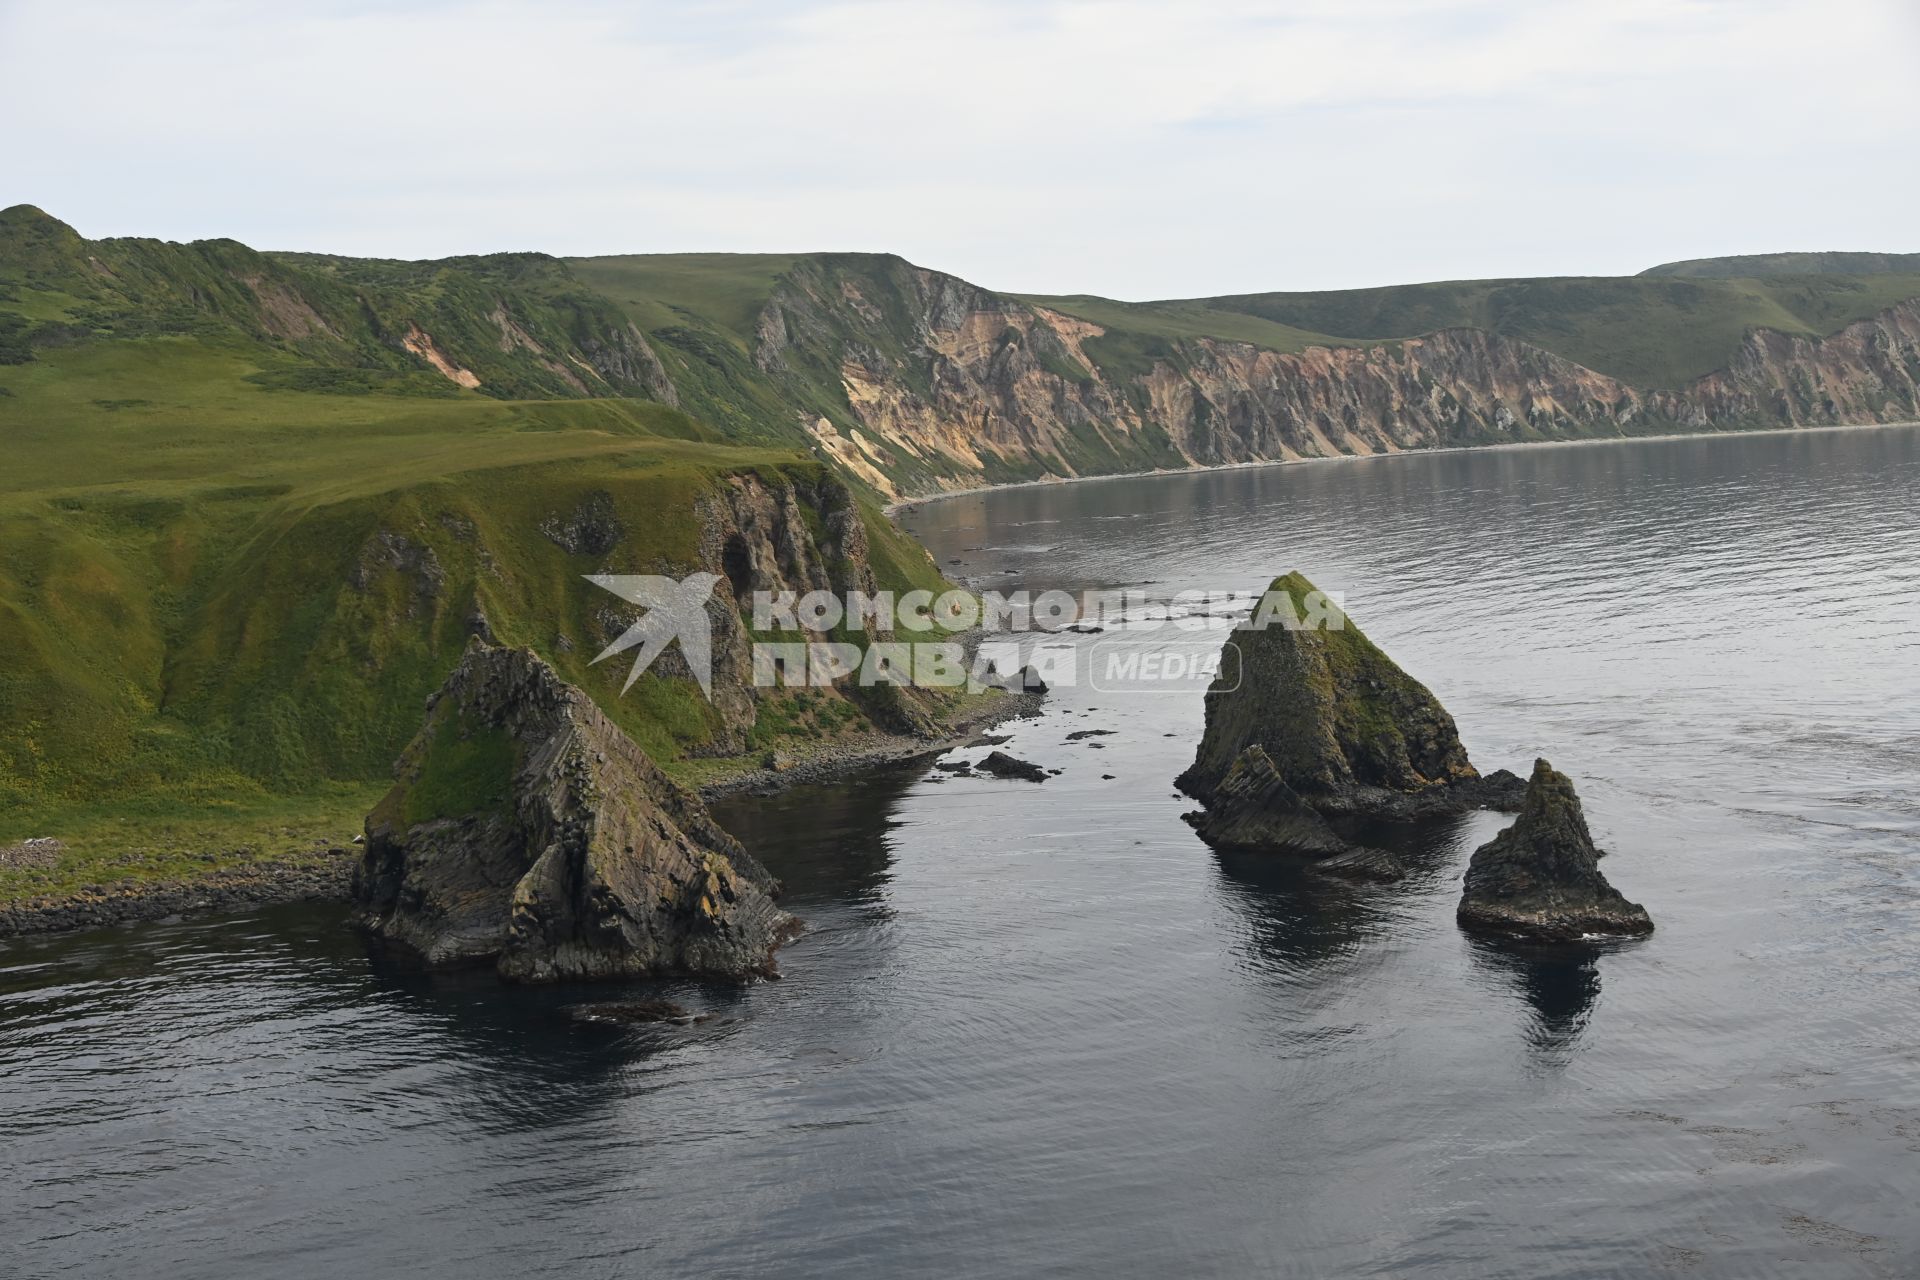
[
  {"x": 527, "y": 830},
  {"x": 1540, "y": 878},
  {"x": 633, "y": 1012},
  {"x": 1359, "y": 862},
  {"x": 1342, "y": 726},
  {"x": 1002, "y": 765}
]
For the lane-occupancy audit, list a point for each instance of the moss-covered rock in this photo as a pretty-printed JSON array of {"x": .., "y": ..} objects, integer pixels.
[
  {"x": 1540, "y": 878},
  {"x": 526, "y": 830},
  {"x": 1344, "y": 728}
]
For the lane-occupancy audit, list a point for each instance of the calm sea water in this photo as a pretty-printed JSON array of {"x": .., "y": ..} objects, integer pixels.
[{"x": 1042, "y": 1030}]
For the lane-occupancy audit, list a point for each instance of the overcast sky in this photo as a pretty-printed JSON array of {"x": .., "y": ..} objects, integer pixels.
[{"x": 1133, "y": 150}]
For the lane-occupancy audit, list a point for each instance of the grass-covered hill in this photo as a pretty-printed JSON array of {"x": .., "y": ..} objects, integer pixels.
[{"x": 1751, "y": 266}]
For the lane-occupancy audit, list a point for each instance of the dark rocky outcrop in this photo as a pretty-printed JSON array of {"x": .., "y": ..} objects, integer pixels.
[
  {"x": 1002, "y": 765},
  {"x": 1540, "y": 878},
  {"x": 1342, "y": 727},
  {"x": 526, "y": 830},
  {"x": 592, "y": 528},
  {"x": 1254, "y": 808}
]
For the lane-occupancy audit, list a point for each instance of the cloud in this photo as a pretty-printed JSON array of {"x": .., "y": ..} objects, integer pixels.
[{"x": 1128, "y": 149}]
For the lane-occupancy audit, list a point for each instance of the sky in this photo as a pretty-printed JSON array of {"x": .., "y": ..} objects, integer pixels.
[{"x": 1124, "y": 149}]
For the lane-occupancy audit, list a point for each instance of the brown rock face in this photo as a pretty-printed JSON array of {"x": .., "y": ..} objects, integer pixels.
[
  {"x": 952, "y": 385},
  {"x": 1540, "y": 878},
  {"x": 527, "y": 830}
]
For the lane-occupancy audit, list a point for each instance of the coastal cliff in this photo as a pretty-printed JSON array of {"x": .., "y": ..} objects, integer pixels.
[
  {"x": 912, "y": 381},
  {"x": 950, "y": 385}
]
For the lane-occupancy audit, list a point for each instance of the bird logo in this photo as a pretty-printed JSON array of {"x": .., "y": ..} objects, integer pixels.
[{"x": 676, "y": 609}]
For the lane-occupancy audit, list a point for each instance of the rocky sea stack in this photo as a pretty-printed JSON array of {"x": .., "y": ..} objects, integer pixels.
[
  {"x": 1344, "y": 731},
  {"x": 526, "y": 829},
  {"x": 1540, "y": 878}
]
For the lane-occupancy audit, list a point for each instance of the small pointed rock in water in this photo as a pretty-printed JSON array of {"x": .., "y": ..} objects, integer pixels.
[{"x": 1540, "y": 878}]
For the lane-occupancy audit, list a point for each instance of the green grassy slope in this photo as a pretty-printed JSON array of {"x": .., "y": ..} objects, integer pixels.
[
  {"x": 1763, "y": 265},
  {"x": 213, "y": 639},
  {"x": 519, "y": 323},
  {"x": 1196, "y": 319},
  {"x": 661, "y": 290}
]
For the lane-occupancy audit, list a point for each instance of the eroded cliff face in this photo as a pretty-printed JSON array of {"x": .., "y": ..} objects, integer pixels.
[
  {"x": 947, "y": 385},
  {"x": 775, "y": 538}
]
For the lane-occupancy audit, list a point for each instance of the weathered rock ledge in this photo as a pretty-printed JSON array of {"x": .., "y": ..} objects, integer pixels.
[
  {"x": 1540, "y": 878},
  {"x": 526, "y": 830}
]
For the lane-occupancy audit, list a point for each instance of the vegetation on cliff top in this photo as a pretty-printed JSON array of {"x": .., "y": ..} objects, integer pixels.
[{"x": 224, "y": 601}]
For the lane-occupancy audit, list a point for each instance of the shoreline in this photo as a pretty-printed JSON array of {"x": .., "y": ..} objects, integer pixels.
[
  {"x": 834, "y": 761},
  {"x": 328, "y": 875},
  {"x": 328, "y": 878},
  {"x": 903, "y": 504}
]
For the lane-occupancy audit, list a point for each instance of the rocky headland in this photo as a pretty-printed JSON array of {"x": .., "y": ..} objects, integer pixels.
[
  {"x": 1540, "y": 879},
  {"x": 526, "y": 830}
]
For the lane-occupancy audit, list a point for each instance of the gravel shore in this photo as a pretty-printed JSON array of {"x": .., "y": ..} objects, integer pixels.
[{"x": 326, "y": 877}]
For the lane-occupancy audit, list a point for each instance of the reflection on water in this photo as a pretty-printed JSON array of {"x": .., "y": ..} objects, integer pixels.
[
  {"x": 1042, "y": 1029},
  {"x": 832, "y": 841},
  {"x": 1560, "y": 982}
]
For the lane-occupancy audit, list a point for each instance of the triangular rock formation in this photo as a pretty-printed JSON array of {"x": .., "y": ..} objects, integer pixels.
[
  {"x": 1540, "y": 878},
  {"x": 1343, "y": 727},
  {"x": 525, "y": 828}
]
